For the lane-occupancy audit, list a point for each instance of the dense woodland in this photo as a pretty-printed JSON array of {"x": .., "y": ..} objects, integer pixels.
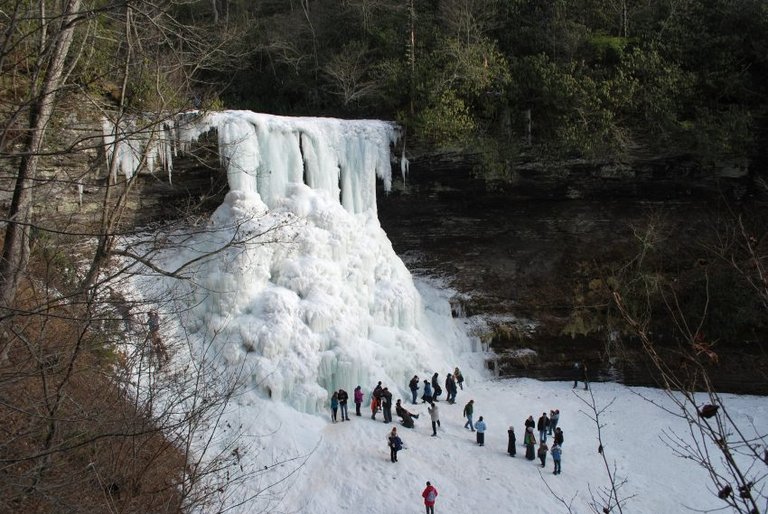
[
  {"x": 559, "y": 78},
  {"x": 601, "y": 80},
  {"x": 585, "y": 78}
]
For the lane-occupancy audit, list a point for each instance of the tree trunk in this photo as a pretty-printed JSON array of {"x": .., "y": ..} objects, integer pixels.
[{"x": 16, "y": 243}]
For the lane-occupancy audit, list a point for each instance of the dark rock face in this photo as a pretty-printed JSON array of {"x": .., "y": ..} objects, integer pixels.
[{"x": 524, "y": 253}]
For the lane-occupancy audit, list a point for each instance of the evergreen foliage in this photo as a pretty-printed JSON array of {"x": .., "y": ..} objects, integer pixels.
[{"x": 597, "y": 77}]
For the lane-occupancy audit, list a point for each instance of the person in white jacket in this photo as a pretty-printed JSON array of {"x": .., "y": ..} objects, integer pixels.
[{"x": 435, "y": 415}]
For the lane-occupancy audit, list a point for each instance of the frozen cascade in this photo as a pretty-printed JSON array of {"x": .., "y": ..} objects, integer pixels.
[{"x": 318, "y": 300}]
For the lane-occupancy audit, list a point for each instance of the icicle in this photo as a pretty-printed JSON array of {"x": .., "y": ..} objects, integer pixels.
[
  {"x": 405, "y": 165},
  {"x": 265, "y": 154}
]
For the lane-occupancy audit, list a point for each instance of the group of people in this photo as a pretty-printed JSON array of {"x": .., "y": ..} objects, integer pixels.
[
  {"x": 432, "y": 389},
  {"x": 339, "y": 401},
  {"x": 546, "y": 425},
  {"x": 381, "y": 400}
]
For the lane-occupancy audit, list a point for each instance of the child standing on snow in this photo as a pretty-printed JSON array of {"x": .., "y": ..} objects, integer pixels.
[
  {"x": 334, "y": 405},
  {"x": 374, "y": 406},
  {"x": 395, "y": 444}
]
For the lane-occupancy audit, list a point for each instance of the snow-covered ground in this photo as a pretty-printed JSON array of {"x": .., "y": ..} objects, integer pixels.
[
  {"x": 294, "y": 284},
  {"x": 350, "y": 470}
]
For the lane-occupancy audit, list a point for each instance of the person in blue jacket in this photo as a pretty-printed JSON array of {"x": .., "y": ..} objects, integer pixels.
[
  {"x": 556, "y": 452},
  {"x": 395, "y": 444},
  {"x": 427, "y": 396},
  {"x": 480, "y": 427},
  {"x": 334, "y": 405}
]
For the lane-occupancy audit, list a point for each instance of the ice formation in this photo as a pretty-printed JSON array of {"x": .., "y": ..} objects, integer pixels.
[
  {"x": 312, "y": 297},
  {"x": 133, "y": 143}
]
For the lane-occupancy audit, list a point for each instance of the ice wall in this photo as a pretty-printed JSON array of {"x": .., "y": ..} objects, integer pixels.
[
  {"x": 312, "y": 296},
  {"x": 265, "y": 154}
]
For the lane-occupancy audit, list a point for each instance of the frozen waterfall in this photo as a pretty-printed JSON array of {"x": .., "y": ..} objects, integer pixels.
[
  {"x": 265, "y": 154},
  {"x": 316, "y": 298}
]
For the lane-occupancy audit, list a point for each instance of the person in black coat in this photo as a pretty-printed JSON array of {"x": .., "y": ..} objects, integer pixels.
[
  {"x": 386, "y": 404},
  {"x": 450, "y": 388},
  {"x": 343, "y": 398},
  {"x": 413, "y": 385},
  {"x": 530, "y": 423},
  {"x": 511, "y": 442},
  {"x": 436, "y": 389},
  {"x": 542, "y": 426},
  {"x": 579, "y": 373},
  {"x": 406, "y": 416},
  {"x": 559, "y": 436}
]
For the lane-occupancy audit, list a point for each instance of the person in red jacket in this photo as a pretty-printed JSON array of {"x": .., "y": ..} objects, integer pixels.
[{"x": 429, "y": 494}]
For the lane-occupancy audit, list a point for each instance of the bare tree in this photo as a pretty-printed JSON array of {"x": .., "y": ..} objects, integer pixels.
[
  {"x": 349, "y": 72},
  {"x": 56, "y": 31},
  {"x": 604, "y": 499},
  {"x": 95, "y": 415},
  {"x": 732, "y": 452}
]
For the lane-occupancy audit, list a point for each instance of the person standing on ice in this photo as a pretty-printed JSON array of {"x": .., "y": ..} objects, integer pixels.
[
  {"x": 559, "y": 438},
  {"x": 468, "y": 409},
  {"x": 542, "y": 453},
  {"x": 450, "y": 388},
  {"x": 529, "y": 422},
  {"x": 529, "y": 440},
  {"x": 414, "y": 387},
  {"x": 436, "y": 389},
  {"x": 554, "y": 417},
  {"x": 386, "y": 404},
  {"x": 358, "y": 399},
  {"x": 511, "y": 450},
  {"x": 480, "y": 427},
  {"x": 429, "y": 494},
  {"x": 395, "y": 444},
  {"x": 542, "y": 426},
  {"x": 427, "y": 396},
  {"x": 334, "y": 405},
  {"x": 458, "y": 377},
  {"x": 434, "y": 414},
  {"x": 343, "y": 398},
  {"x": 376, "y": 399},
  {"x": 556, "y": 454},
  {"x": 579, "y": 373}
]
